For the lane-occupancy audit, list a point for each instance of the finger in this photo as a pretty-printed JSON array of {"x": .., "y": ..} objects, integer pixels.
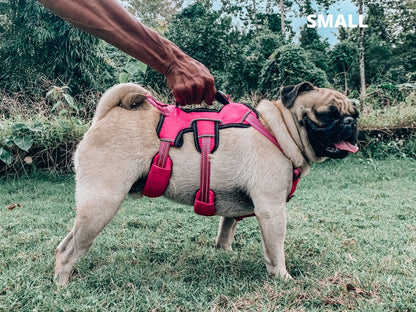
[
  {"x": 179, "y": 96},
  {"x": 210, "y": 93}
]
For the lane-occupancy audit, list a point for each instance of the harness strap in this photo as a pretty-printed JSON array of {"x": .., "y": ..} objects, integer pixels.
[
  {"x": 163, "y": 154},
  {"x": 204, "y": 198},
  {"x": 296, "y": 177},
  {"x": 205, "y": 169},
  {"x": 164, "y": 108},
  {"x": 256, "y": 124}
]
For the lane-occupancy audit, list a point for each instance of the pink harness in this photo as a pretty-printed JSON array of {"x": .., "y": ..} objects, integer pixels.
[{"x": 205, "y": 124}]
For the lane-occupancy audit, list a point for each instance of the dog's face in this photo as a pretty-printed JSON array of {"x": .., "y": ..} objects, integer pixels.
[{"x": 329, "y": 117}]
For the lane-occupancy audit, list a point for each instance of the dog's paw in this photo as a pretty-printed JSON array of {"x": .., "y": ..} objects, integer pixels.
[
  {"x": 224, "y": 247},
  {"x": 286, "y": 276},
  {"x": 281, "y": 273},
  {"x": 61, "y": 279}
]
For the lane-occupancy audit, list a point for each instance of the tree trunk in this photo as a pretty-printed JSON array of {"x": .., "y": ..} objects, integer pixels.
[
  {"x": 345, "y": 83},
  {"x": 282, "y": 18},
  {"x": 256, "y": 24},
  {"x": 362, "y": 68}
]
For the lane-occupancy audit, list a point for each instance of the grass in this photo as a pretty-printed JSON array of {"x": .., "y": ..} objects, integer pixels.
[
  {"x": 351, "y": 245},
  {"x": 402, "y": 115}
]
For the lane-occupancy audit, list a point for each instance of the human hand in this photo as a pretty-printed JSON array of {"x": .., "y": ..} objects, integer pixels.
[{"x": 190, "y": 82}]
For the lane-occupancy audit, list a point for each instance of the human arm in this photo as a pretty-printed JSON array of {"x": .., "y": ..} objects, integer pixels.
[{"x": 189, "y": 80}]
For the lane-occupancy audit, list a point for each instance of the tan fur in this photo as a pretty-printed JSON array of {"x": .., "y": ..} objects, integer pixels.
[{"x": 118, "y": 149}]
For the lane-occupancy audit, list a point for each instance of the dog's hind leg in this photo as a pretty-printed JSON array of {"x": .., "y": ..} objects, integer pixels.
[
  {"x": 226, "y": 233},
  {"x": 99, "y": 195},
  {"x": 93, "y": 214}
]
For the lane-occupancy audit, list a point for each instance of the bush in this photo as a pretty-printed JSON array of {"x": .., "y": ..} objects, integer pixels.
[
  {"x": 390, "y": 106},
  {"x": 38, "y": 143},
  {"x": 37, "y": 46},
  {"x": 243, "y": 78},
  {"x": 288, "y": 65},
  {"x": 388, "y": 144}
]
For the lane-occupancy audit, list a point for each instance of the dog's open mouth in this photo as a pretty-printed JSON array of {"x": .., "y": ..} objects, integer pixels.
[
  {"x": 337, "y": 150},
  {"x": 346, "y": 146}
]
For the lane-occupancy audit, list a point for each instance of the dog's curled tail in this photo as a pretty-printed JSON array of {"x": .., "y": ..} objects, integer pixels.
[{"x": 127, "y": 95}]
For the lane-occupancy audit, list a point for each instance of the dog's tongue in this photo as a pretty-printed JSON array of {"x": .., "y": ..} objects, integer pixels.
[{"x": 346, "y": 146}]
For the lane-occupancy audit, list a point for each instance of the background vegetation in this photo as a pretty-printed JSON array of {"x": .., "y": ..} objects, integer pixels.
[
  {"x": 241, "y": 42},
  {"x": 51, "y": 74}
]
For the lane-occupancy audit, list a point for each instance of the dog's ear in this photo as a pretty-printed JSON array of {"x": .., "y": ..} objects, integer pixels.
[{"x": 288, "y": 94}]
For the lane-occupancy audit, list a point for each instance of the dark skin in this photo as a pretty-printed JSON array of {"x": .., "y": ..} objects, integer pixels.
[{"x": 189, "y": 80}]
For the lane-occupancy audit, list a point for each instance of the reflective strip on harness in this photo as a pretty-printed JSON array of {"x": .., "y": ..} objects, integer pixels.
[{"x": 204, "y": 198}]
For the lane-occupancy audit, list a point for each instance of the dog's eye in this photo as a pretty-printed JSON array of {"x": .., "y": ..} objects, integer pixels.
[
  {"x": 329, "y": 115},
  {"x": 355, "y": 114}
]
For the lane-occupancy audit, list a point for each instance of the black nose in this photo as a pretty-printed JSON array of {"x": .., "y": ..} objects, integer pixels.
[{"x": 349, "y": 121}]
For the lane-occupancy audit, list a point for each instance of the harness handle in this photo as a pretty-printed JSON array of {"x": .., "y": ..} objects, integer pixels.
[
  {"x": 222, "y": 97},
  {"x": 219, "y": 96}
]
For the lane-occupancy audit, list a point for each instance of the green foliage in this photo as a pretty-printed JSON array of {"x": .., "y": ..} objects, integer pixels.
[
  {"x": 317, "y": 48},
  {"x": 64, "y": 102},
  {"x": 36, "y": 47},
  {"x": 384, "y": 146},
  {"x": 240, "y": 42},
  {"x": 38, "y": 143},
  {"x": 18, "y": 137},
  {"x": 205, "y": 35},
  {"x": 343, "y": 58},
  {"x": 256, "y": 17},
  {"x": 288, "y": 65},
  {"x": 155, "y": 13},
  {"x": 252, "y": 59},
  {"x": 131, "y": 69}
]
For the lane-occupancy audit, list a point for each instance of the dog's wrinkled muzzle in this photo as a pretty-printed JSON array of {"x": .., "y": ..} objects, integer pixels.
[{"x": 335, "y": 140}]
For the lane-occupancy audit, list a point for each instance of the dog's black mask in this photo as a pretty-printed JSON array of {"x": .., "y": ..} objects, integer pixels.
[{"x": 325, "y": 137}]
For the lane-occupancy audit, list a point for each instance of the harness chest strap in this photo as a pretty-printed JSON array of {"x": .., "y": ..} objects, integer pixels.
[{"x": 159, "y": 174}]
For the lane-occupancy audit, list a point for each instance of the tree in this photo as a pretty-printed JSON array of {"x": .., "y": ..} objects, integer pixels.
[
  {"x": 289, "y": 64},
  {"x": 362, "y": 58},
  {"x": 311, "y": 41},
  {"x": 36, "y": 46},
  {"x": 256, "y": 15},
  {"x": 282, "y": 18},
  {"x": 208, "y": 36},
  {"x": 243, "y": 77},
  {"x": 342, "y": 58},
  {"x": 155, "y": 13}
]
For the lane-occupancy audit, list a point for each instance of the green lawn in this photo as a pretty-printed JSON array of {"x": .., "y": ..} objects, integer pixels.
[{"x": 351, "y": 245}]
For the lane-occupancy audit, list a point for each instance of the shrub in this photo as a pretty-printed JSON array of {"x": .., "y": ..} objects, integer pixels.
[
  {"x": 381, "y": 145},
  {"x": 289, "y": 64},
  {"x": 38, "y": 143},
  {"x": 243, "y": 78},
  {"x": 35, "y": 45}
]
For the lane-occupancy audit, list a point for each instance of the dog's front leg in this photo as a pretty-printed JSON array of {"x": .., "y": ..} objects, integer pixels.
[
  {"x": 226, "y": 233},
  {"x": 272, "y": 221}
]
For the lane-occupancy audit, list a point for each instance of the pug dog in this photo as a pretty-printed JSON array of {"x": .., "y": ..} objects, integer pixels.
[{"x": 248, "y": 173}]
